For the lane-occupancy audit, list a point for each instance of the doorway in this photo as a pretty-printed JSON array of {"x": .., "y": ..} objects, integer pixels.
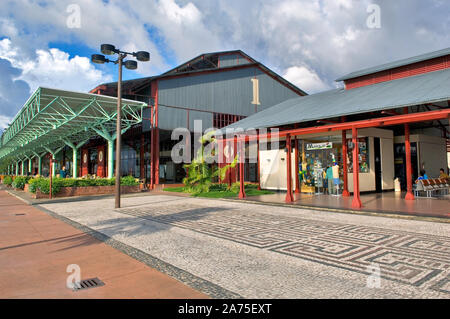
[{"x": 378, "y": 173}]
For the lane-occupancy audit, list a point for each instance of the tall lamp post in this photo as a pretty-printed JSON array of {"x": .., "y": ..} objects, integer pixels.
[{"x": 143, "y": 56}]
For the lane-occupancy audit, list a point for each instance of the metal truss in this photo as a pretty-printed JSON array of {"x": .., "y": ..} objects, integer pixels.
[{"x": 51, "y": 118}]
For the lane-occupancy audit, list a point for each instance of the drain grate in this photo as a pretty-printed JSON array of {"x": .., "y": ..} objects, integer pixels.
[
  {"x": 20, "y": 214},
  {"x": 89, "y": 283}
]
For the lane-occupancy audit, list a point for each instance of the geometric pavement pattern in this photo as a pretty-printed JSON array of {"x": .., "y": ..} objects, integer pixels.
[{"x": 410, "y": 258}]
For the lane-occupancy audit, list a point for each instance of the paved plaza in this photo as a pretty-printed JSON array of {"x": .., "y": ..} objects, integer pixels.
[
  {"x": 35, "y": 250},
  {"x": 262, "y": 251}
]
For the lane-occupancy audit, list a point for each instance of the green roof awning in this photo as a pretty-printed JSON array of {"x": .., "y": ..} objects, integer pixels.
[{"x": 52, "y": 117}]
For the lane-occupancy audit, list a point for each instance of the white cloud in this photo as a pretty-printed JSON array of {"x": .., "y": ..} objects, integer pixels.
[
  {"x": 305, "y": 78},
  {"x": 4, "y": 121},
  {"x": 54, "y": 68}
]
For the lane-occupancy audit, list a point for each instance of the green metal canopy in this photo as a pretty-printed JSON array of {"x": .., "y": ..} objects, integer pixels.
[{"x": 52, "y": 119}]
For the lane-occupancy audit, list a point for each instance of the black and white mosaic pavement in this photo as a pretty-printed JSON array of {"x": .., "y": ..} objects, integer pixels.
[{"x": 410, "y": 258}]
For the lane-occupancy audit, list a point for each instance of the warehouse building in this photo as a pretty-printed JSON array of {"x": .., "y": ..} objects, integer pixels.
[
  {"x": 388, "y": 122},
  {"x": 217, "y": 89}
]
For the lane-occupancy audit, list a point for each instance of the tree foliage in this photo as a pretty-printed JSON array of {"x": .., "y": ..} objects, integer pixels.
[{"x": 200, "y": 173}]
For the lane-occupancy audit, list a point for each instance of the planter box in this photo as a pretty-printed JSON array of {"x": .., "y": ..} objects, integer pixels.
[
  {"x": 26, "y": 188},
  {"x": 88, "y": 191}
]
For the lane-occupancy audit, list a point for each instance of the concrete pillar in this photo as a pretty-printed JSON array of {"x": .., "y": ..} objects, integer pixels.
[
  {"x": 53, "y": 165},
  {"x": 30, "y": 163},
  {"x": 74, "y": 162},
  {"x": 22, "y": 168},
  {"x": 39, "y": 165},
  {"x": 17, "y": 169},
  {"x": 356, "y": 198},
  {"x": 110, "y": 158}
]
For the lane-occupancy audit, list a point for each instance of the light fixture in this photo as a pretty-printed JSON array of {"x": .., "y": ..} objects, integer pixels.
[
  {"x": 108, "y": 49},
  {"x": 98, "y": 58},
  {"x": 131, "y": 65},
  {"x": 142, "y": 56}
]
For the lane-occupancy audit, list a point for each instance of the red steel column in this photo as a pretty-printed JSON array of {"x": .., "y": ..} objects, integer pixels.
[
  {"x": 345, "y": 192},
  {"x": 242, "y": 194},
  {"x": 289, "y": 195},
  {"x": 409, "y": 193},
  {"x": 356, "y": 198},
  {"x": 258, "y": 166},
  {"x": 297, "y": 162}
]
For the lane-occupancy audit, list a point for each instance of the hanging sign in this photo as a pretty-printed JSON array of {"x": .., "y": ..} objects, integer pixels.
[{"x": 319, "y": 146}]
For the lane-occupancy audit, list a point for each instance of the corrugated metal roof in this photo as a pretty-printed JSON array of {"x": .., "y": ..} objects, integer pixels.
[
  {"x": 395, "y": 64},
  {"x": 425, "y": 88},
  {"x": 134, "y": 83}
]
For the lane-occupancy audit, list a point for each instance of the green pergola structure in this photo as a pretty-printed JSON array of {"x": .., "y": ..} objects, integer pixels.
[{"x": 52, "y": 119}]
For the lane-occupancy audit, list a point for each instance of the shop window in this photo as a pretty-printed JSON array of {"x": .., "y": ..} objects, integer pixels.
[
  {"x": 364, "y": 164},
  {"x": 315, "y": 159}
]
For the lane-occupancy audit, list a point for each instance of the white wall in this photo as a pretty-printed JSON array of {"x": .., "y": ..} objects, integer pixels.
[
  {"x": 433, "y": 157},
  {"x": 387, "y": 163},
  {"x": 273, "y": 170},
  {"x": 432, "y": 152}
]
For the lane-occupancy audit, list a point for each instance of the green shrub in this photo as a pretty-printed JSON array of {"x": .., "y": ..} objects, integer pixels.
[
  {"x": 129, "y": 181},
  {"x": 8, "y": 180},
  {"x": 19, "y": 182},
  {"x": 43, "y": 184}
]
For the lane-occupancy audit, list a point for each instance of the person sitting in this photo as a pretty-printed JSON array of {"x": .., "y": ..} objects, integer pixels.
[
  {"x": 423, "y": 175},
  {"x": 443, "y": 174}
]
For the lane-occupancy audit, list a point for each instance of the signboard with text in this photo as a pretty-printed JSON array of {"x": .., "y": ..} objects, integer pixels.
[{"x": 319, "y": 146}]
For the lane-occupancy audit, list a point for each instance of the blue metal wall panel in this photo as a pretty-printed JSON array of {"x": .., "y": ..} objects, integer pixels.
[
  {"x": 206, "y": 118},
  {"x": 229, "y": 92},
  {"x": 146, "y": 114},
  {"x": 232, "y": 60},
  {"x": 170, "y": 118}
]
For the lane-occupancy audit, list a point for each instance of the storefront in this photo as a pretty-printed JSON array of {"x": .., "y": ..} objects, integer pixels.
[{"x": 319, "y": 152}]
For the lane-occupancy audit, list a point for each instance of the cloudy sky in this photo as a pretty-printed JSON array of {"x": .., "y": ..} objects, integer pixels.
[{"x": 310, "y": 42}]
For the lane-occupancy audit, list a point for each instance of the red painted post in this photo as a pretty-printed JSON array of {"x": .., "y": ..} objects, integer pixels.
[
  {"x": 152, "y": 151},
  {"x": 345, "y": 192},
  {"x": 258, "y": 168},
  {"x": 297, "y": 164},
  {"x": 51, "y": 175},
  {"x": 356, "y": 198},
  {"x": 242, "y": 194},
  {"x": 409, "y": 193},
  {"x": 289, "y": 195}
]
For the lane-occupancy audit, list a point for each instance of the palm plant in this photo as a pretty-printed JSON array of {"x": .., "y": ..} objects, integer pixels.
[{"x": 200, "y": 174}]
